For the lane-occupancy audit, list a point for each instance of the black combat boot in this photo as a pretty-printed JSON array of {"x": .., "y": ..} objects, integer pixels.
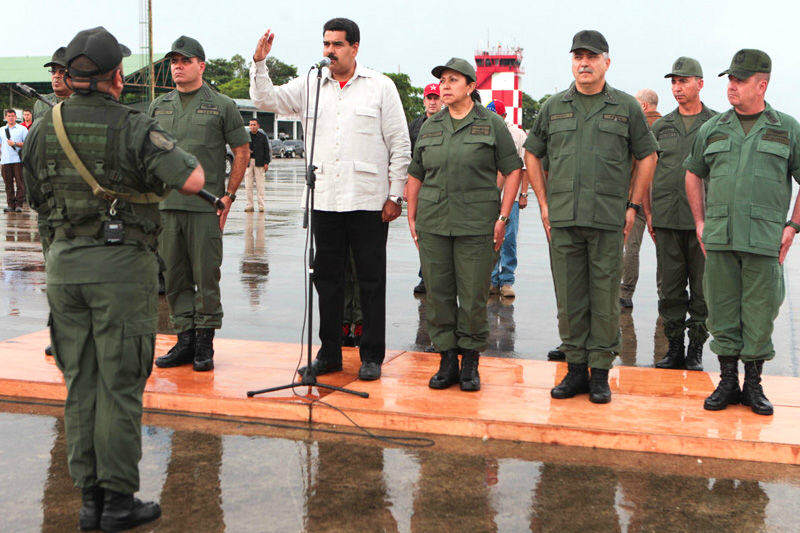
[
  {"x": 91, "y": 508},
  {"x": 675, "y": 357},
  {"x": 123, "y": 511},
  {"x": 599, "y": 391},
  {"x": 694, "y": 356},
  {"x": 204, "y": 351},
  {"x": 728, "y": 391},
  {"x": 575, "y": 382},
  {"x": 752, "y": 392},
  {"x": 448, "y": 373},
  {"x": 556, "y": 355},
  {"x": 180, "y": 354},
  {"x": 470, "y": 379},
  {"x": 48, "y": 350}
]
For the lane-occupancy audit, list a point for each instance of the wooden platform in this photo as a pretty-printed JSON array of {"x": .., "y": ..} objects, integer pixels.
[{"x": 652, "y": 410}]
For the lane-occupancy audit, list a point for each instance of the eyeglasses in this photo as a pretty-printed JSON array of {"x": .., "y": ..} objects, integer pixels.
[{"x": 58, "y": 72}]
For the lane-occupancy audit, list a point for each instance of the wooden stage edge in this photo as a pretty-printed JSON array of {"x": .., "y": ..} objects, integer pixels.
[{"x": 652, "y": 410}]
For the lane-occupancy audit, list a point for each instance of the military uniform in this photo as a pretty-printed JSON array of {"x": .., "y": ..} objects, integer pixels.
[
  {"x": 749, "y": 192},
  {"x": 458, "y": 206},
  {"x": 679, "y": 256},
  {"x": 191, "y": 243},
  {"x": 102, "y": 297},
  {"x": 589, "y": 158}
]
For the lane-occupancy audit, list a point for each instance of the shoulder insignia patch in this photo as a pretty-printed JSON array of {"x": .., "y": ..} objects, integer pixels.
[
  {"x": 480, "y": 130},
  {"x": 617, "y": 118},
  {"x": 559, "y": 116},
  {"x": 778, "y": 136},
  {"x": 161, "y": 141},
  {"x": 432, "y": 134}
]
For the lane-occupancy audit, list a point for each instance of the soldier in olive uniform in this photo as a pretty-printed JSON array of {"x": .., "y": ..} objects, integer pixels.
[
  {"x": 457, "y": 220},
  {"x": 203, "y": 121},
  {"x": 589, "y": 133},
  {"x": 58, "y": 71},
  {"x": 748, "y": 156},
  {"x": 679, "y": 257},
  {"x": 101, "y": 269}
]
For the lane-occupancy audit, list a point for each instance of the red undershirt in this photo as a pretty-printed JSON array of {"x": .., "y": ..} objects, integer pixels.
[{"x": 342, "y": 84}]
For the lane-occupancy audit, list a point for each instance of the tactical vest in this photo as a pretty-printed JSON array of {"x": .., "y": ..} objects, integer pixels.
[{"x": 73, "y": 210}]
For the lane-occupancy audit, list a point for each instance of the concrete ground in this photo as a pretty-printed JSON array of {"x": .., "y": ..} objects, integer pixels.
[{"x": 212, "y": 475}]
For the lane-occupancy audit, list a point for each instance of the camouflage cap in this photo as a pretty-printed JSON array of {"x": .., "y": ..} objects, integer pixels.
[
  {"x": 747, "y": 62},
  {"x": 591, "y": 40},
  {"x": 58, "y": 59},
  {"x": 187, "y": 47},
  {"x": 685, "y": 67},
  {"x": 459, "y": 65},
  {"x": 98, "y": 45}
]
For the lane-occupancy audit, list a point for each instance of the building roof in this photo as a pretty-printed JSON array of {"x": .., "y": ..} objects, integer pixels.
[{"x": 29, "y": 69}]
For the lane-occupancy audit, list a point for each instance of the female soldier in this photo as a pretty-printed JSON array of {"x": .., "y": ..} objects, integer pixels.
[{"x": 453, "y": 208}]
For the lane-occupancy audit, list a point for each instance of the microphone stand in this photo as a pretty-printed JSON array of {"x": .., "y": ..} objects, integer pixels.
[{"x": 309, "y": 378}]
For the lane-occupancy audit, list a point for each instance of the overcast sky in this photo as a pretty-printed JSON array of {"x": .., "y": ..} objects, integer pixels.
[{"x": 645, "y": 37}]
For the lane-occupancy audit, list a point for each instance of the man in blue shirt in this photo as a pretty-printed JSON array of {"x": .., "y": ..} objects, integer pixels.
[{"x": 12, "y": 136}]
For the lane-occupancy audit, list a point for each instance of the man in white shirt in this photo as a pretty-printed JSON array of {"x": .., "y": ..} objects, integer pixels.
[
  {"x": 362, "y": 151},
  {"x": 12, "y": 136}
]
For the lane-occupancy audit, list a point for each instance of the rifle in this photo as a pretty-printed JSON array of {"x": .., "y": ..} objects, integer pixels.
[{"x": 32, "y": 93}]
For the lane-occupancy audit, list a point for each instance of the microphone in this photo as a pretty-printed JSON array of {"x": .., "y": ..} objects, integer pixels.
[{"x": 323, "y": 63}]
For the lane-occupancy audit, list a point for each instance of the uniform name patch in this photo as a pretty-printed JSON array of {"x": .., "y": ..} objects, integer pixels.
[
  {"x": 617, "y": 118},
  {"x": 717, "y": 137},
  {"x": 778, "y": 136},
  {"x": 163, "y": 111},
  {"x": 431, "y": 134},
  {"x": 480, "y": 130},
  {"x": 560, "y": 116},
  {"x": 202, "y": 111}
]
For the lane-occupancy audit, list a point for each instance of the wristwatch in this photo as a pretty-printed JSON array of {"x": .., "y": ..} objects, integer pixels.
[
  {"x": 396, "y": 199},
  {"x": 636, "y": 207},
  {"x": 523, "y": 195},
  {"x": 230, "y": 195},
  {"x": 794, "y": 225},
  {"x": 502, "y": 218}
]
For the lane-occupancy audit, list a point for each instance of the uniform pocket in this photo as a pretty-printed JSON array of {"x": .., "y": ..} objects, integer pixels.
[
  {"x": 432, "y": 151},
  {"x": 138, "y": 346},
  {"x": 766, "y": 227},
  {"x": 715, "y": 230},
  {"x": 560, "y": 199},
  {"x": 772, "y": 160},
  {"x": 612, "y": 140},
  {"x": 367, "y": 119},
  {"x": 430, "y": 194},
  {"x": 717, "y": 158}
]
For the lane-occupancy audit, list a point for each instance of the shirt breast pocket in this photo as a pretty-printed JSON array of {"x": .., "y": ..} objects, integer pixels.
[
  {"x": 367, "y": 119},
  {"x": 432, "y": 149},
  {"x": 164, "y": 117},
  {"x": 717, "y": 157},
  {"x": 478, "y": 154},
  {"x": 772, "y": 160},
  {"x": 561, "y": 136},
  {"x": 204, "y": 128},
  {"x": 612, "y": 140}
]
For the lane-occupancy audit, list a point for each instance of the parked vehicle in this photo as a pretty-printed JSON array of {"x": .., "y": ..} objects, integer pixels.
[
  {"x": 293, "y": 148},
  {"x": 276, "y": 148},
  {"x": 228, "y": 160}
]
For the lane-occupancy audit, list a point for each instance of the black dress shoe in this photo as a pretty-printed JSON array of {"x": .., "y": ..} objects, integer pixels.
[
  {"x": 728, "y": 391},
  {"x": 694, "y": 356},
  {"x": 556, "y": 355},
  {"x": 575, "y": 382},
  {"x": 448, "y": 373},
  {"x": 123, "y": 511},
  {"x": 48, "y": 350},
  {"x": 322, "y": 366},
  {"x": 470, "y": 379},
  {"x": 599, "y": 391},
  {"x": 369, "y": 371},
  {"x": 180, "y": 354},
  {"x": 752, "y": 392},
  {"x": 91, "y": 508},
  {"x": 676, "y": 357},
  {"x": 204, "y": 350}
]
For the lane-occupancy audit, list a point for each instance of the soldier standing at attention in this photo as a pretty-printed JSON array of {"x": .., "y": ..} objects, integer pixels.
[
  {"x": 589, "y": 133},
  {"x": 101, "y": 269},
  {"x": 58, "y": 70},
  {"x": 458, "y": 220},
  {"x": 203, "y": 121},
  {"x": 669, "y": 219},
  {"x": 748, "y": 156}
]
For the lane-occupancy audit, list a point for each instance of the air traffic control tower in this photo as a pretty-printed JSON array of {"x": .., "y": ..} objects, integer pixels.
[{"x": 500, "y": 73}]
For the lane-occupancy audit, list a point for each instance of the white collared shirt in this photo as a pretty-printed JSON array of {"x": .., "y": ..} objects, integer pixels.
[
  {"x": 519, "y": 136},
  {"x": 362, "y": 147},
  {"x": 10, "y": 154}
]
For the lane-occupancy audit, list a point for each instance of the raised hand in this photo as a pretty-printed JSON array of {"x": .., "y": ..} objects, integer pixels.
[{"x": 264, "y": 46}]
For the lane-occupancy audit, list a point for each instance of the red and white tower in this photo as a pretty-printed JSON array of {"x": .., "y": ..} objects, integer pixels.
[{"x": 499, "y": 78}]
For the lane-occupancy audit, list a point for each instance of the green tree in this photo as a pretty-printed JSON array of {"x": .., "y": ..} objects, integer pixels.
[
  {"x": 530, "y": 108},
  {"x": 232, "y": 76},
  {"x": 410, "y": 96},
  {"x": 279, "y": 72}
]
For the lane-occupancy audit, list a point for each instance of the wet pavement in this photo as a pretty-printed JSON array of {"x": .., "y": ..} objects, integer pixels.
[{"x": 213, "y": 476}]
